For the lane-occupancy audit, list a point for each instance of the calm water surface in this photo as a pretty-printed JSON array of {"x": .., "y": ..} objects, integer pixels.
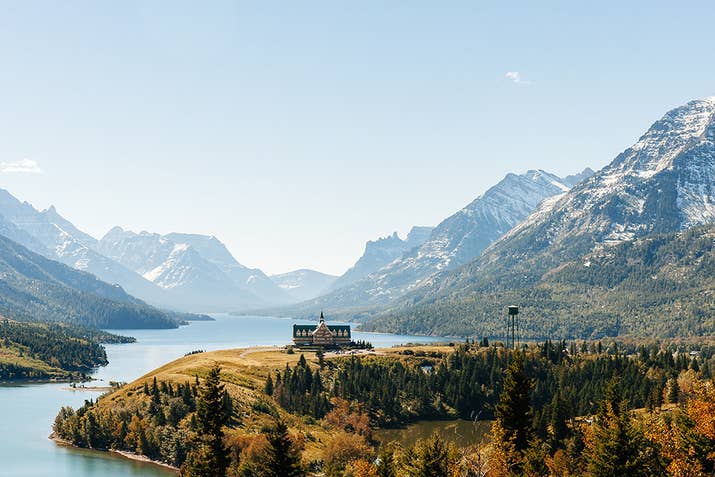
[
  {"x": 461, "y": 432},
  {"x": 27, "y": 411}
]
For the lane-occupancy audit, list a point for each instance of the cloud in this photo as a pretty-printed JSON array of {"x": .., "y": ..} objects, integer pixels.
[
  {"x": 26, "y": 166},
  {"x": 515, "y": 77}
]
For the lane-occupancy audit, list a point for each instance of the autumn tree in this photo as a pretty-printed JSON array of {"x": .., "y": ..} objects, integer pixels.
[{"x": 343, "y": 449}]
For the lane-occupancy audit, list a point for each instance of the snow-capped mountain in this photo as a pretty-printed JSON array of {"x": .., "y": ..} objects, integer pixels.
[
  {"x": 304, "y": 284},
  {"x": 663, "y": 184},
  {"x": 196, "y": 271},
  {"x": 251, "y": 279},
  {"x": 52, "y": 236},
  {"x": 456, "y": 240},
  {"x": 379, "y": 253}
]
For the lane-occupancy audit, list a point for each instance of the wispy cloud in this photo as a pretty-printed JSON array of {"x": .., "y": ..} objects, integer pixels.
[
  {"x": 26, "y": 166},
  {"x": 515, "y": 77}
]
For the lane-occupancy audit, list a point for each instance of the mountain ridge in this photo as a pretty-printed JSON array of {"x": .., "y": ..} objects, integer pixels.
[
  {"x": 456, "y": 240},
  {"x": 663, "y": 184}
]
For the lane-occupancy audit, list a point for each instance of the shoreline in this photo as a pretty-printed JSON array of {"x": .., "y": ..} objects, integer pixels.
[{"x": 124, "y": 454}]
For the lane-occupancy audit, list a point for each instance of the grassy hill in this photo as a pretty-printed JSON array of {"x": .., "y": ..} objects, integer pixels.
[{"x": 244, "y": 373}]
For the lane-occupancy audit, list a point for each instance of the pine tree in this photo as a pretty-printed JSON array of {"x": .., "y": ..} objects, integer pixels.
[
  {"x": 386, "y": 462},
  {"x": 281, "y": 458},
  {"x": 674, "y": 391},
  {"x": 558, "y": 428},
  {"x": 513, "y": 412},
  {"x": 321, "y": 358},
  {"x": 428, "y": 458},
  {"x": 617, "y": 447},
  {"x": 513, "y": 425},
  {"x": 268, "y": 389},
  {"x": 209, "y": 458}
]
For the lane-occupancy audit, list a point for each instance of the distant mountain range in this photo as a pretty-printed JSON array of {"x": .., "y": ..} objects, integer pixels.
[
  {"x": 179, "y": 271},
  {"x": 573, "y": 263},
  {"x": 304, "y": 284},
  {"x": 393, "y": 268},
  {"x": 627, "y": 249},
  {"x": 193, "y": 271},
  {"x": 380, "y": 253},
  {"x": 52, "y": 236},
  {"x": 34, "y": 288}
]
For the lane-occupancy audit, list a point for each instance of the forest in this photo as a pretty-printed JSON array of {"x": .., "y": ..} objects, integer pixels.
[
  {"x": 51, "y": 350},
  {"x": 656, "y": 287},
  {"x": 557, "y": 408}
]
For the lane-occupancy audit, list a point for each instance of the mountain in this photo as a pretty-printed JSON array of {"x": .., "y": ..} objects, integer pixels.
[
  {"x": 185, "y": 271},
  {"x": 304, "y": 284},
  {"x": 52, "y": 236},
  {"x": 34, "y": 288},
  {"x": 197, "y": 272},
  {"x": 454, "y": 242},
  {"x": 251, "y": 279},
  {"x": 381, "y": 252},
  {"x": 663, "y": 184},
  {"x": 574, "y": 179}
]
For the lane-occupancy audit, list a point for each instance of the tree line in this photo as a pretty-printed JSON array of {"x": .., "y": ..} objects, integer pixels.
[{"x": 56, "y": 346}]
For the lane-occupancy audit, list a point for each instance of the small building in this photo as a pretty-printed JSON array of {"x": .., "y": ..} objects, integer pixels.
[{"x": 321, "y": 335}]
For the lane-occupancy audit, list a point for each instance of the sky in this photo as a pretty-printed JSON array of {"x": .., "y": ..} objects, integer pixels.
[{"x": 297, "y": 131}]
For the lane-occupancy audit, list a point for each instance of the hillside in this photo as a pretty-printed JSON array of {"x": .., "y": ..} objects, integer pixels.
[
  {"x": 51, "y": 350},
  {"x": 660, "y": 286},
  {"x": 332, "y": 410},
  {"x": 52, "y": 236},
  {"x": 34, "y": 288}
]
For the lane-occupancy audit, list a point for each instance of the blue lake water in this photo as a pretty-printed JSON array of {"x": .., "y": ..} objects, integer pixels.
[{"x": 27, "y": 411}]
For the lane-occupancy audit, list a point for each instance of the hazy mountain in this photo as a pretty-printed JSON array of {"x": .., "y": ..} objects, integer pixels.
[
  {"x": 379, "y": 253},
  {"x": 34, "y": 288},
  {"x": 304, "y": 284},
  {"x": 197, "y": 272},
  {"x": 454, "y": 242},
  {"x": 664, "y": 183},
  {"x": 54, "y": 237},
  {"x": 251, "y": 279},
  {"x": 574, "y": 179}
]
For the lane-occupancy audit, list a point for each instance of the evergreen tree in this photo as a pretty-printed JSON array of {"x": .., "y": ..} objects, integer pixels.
[
  {"x": 513, "y": 424},
  {"x": 513, "y": 412},
  {"x": 209, "y": 458},
  {"x": 674, "y": 391},
  {"x": 558, "y": 428},
  {"x": 386, "y": 462},
  {"x": 281, "y": 458},
  {"x": 428, "y": 458},
  {"x": 321, "y": 358},
  {"x": 617, "y": 447}
]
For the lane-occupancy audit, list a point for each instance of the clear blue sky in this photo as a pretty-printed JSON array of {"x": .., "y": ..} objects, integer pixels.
[{"x": 296, "y": 131}]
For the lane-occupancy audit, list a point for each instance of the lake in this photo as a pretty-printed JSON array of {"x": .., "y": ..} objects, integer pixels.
[
  {"x": 461, "y": 432},
  {"x": 28, "y": 410}
]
